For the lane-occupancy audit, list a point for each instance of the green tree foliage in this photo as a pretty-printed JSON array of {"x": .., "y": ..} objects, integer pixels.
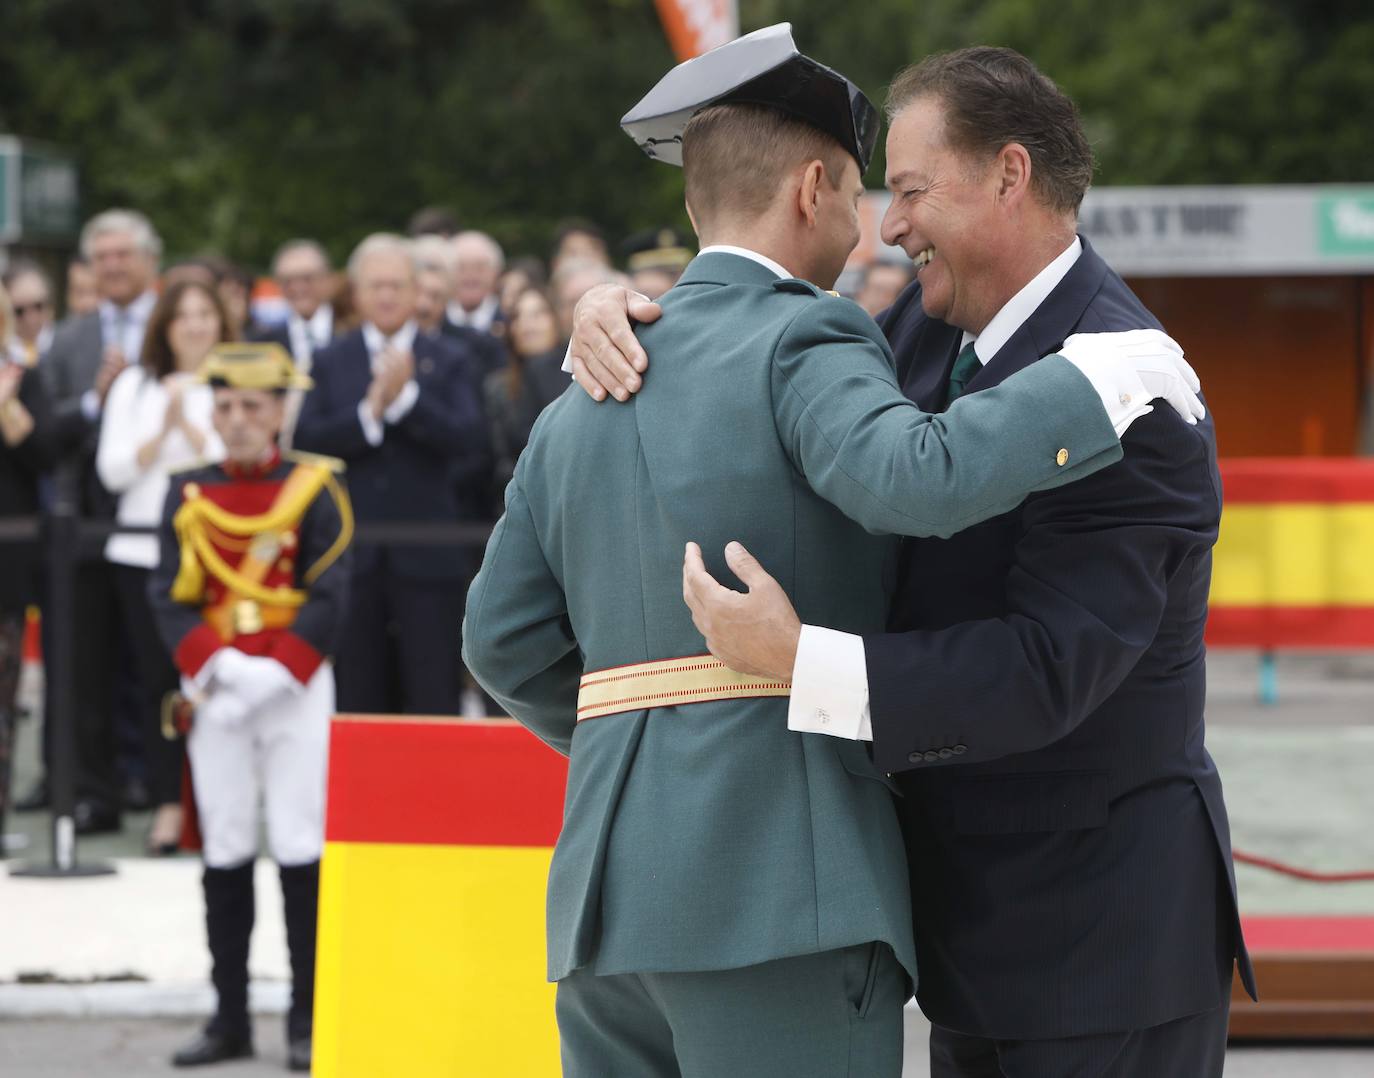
[{"x": 237, "y": 123}]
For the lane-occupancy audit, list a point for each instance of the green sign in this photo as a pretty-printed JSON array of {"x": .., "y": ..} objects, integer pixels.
[
  {"x": 1346, "y": 224},
  {"x": 38, "y": 193}
]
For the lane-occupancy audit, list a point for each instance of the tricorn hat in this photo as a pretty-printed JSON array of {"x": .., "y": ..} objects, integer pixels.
[
  {"x": 252, "y": 365},
  {"x": 762, "y": 68}
]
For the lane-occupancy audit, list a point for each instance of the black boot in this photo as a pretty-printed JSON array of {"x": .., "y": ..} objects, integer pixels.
[
  {"x": 300, "y": 889},
  {"x": 228, "y": 925}
]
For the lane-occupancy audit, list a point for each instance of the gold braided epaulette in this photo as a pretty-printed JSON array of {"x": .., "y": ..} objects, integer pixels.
[{"x": 334, "y": 464}]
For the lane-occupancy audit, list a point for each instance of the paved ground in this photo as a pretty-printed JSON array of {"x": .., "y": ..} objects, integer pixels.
[
  {"x": 138, "y": 1048},
  {"x": 1298, "y": 787}
]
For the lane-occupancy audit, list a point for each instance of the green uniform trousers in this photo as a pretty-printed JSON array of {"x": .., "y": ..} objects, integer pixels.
[{"x": 835, "y": 1014}]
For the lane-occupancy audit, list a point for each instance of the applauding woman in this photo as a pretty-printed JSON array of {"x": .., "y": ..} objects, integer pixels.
[{"x": 157, "y": 421}]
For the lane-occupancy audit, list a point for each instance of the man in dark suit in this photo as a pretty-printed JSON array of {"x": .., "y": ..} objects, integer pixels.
[
  {"x": 1039, "y": 695},
  {"x": 403, "y": 410},
  {"x": 305, "y": 277},
  {"x": 87, "y": 354}
]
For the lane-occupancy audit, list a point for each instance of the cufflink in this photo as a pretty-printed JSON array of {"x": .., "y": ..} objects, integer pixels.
[
  {"x": 1125, "y": 399},
  {"x": 1062, "y": 457},
  {"x": 822, "y": 716}
]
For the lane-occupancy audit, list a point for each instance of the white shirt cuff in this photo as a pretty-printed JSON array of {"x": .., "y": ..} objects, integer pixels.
[
  {"x": 404, "y": 402},
  {"x": 830, "y": 686},
  {"x": 372, "y": 427},
  {"x": 1123, "y": 393},
  {"x": 90, "y": 405}
]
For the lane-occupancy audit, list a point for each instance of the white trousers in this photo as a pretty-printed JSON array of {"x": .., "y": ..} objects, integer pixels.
[{"x": 277, "y": 756}]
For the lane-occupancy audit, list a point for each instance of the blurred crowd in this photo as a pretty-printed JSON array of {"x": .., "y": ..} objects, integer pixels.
[{"x": 434, "y": 327}]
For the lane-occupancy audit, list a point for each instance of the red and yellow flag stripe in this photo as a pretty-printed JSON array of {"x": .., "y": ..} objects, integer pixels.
[
  {"x": 431, "y": 944},
  {"x": 1294, "y": 564}
]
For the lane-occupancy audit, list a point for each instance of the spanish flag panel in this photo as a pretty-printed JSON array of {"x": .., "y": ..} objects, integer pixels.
[
  {"x": 431, "y": 945},
  {"x": 1293, "y": 564}
]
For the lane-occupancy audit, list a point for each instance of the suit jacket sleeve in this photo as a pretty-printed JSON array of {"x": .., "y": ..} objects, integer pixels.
[
  {"x": 517, "y": 639},
  {"x": 58, "y": 369},
  {"x": 1091, "y": 574},
  {"x": 894, "y": 468},
  {"x": 37, "y": 452},
  {"x": 447, "y": 416},
  {"x": 328, "y": 421}
]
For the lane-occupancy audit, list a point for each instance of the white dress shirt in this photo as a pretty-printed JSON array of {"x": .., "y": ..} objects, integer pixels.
[
  {"x": 403, "y": 340},
  {"x": 308, "y": 336},
  {"x": 135, "y": 410},
  {"x": 830, "y": 678},
  {"x": 479, "y": 318},
  {"x": 122, "y": 327}
]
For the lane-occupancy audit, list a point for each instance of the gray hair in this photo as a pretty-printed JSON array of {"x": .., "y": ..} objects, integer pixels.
[
  {"x": 129, "y": 222},
  {"x": 382, "y": 243},
  {"x": 313, "y": 246},
  {"x": 483, "y": 243},
  {"x": 434, "y": 253}
]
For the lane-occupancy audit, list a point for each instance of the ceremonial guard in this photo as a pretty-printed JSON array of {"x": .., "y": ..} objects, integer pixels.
[{"x": 249, "y": 597}]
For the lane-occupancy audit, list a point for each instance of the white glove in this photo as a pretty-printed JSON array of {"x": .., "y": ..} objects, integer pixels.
[
  {"x": 1136, "y": 363},
  {"x": 254, "y": 679},
  {"x": 223, "y": 709}
]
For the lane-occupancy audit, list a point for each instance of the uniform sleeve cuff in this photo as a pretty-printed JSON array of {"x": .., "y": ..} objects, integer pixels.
[
  {"x": 297, "y": 655},
  {"x": 830, "y": 686},
  {"x": 196, "y": 649}
]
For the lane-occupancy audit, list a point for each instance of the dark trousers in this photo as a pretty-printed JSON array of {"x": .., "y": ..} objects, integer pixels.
[
  {"x": 399, "y": 651},
  {"x": 11, "y": 657},
  {"x": 96, "y": 613},
  {"x": 156, "y": 678},
  {"x": 1191, "y": 1047}
]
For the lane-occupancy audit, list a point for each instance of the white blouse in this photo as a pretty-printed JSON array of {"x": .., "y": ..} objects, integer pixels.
[{"x": 133, "y": 415}]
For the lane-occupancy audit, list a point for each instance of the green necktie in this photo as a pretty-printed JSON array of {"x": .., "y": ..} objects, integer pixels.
[{"x": 965, "y": 367}]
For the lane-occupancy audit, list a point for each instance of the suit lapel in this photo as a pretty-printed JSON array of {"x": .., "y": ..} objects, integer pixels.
[{"x": 1047, "y": 327}]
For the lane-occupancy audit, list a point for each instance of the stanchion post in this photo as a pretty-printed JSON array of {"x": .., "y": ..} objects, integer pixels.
[{"x": 64, "y": 551}]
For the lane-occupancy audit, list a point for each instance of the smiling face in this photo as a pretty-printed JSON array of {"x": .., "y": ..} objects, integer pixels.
[
  {"x": 946, "y": 215},
  {"x": 384, "y": 286},
  {"x": 194, "y": 329},
  {"x": 123, "y": 269}
]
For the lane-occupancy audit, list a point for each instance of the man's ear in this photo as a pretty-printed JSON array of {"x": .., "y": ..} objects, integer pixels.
[
  {"x": 809, "y": 191},
  {"x": 1013, "y": 167}
]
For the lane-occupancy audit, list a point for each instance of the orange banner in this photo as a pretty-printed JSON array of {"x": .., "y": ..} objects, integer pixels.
[{"x": 697, "y": 26}]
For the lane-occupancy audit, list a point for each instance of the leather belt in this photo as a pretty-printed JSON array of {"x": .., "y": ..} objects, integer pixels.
[{"x": 692, "y": 679}]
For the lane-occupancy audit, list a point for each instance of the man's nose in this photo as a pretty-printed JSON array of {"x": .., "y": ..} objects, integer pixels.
[{"x": 893, "y": 227}]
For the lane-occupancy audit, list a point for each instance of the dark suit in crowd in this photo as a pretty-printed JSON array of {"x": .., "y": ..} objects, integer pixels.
[
  {"x": 69, "y": 369},
  {"x": 21, "y": 563},
  {"x": 401, "y": 640},
  {"x": 1039, "y": 698}
]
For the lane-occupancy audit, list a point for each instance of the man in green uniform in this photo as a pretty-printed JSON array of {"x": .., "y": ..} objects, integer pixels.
[{"x": 728, "y": 898}]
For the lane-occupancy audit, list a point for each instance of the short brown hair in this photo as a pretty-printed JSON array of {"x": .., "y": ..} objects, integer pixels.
[
  {"x": 157, "y": 357},
  {"x": 734, "y": 157},
  {"x": 993, "y": 96}
]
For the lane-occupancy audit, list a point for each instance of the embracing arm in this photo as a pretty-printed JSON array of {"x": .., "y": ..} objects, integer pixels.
[
  {"x": 894, "y": 468},
  {"x": 517, "y": 640},
  {"x": 1089, "y": 582}
]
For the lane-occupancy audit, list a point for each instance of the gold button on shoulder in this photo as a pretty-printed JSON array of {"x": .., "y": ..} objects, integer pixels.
[{"x": 1062, "y": 457}]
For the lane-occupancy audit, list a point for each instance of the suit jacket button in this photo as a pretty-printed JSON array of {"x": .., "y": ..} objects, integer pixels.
[
  {"x": 959, "y": 750},
  {"x": 931, "y": 756},
  {"x": 945, "y": 754},
  {"x": 1062, "y": 457},
  {"x": 915, "y": 758}
]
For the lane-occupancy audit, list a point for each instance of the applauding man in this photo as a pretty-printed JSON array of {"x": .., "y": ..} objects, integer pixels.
[{"x": 404, "y": 411}]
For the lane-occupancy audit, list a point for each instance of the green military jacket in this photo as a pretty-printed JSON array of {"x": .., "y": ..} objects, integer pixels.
[{"x": 709, "y": 836}]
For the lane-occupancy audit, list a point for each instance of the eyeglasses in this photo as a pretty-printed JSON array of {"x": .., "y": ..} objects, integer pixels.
[{"x": 21, "y": 309}]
